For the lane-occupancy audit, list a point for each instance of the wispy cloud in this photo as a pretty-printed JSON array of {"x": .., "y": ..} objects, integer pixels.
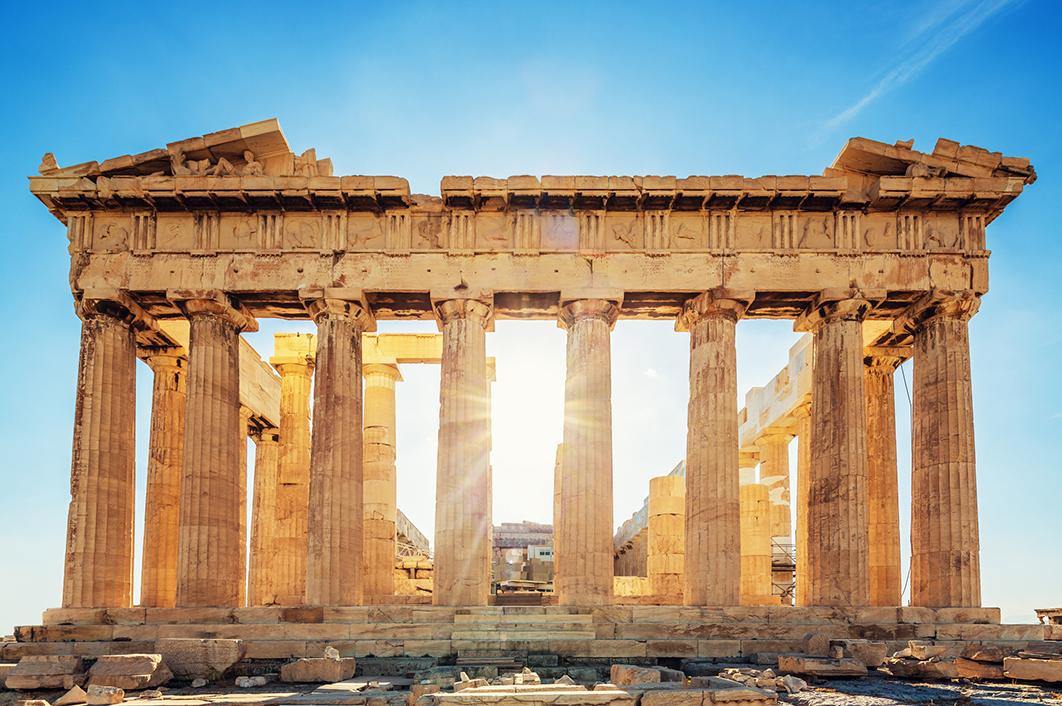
[{"x": 931, "y": 35}]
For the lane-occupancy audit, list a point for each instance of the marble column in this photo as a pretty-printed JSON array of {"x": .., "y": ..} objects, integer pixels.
[
  {"x": 208, "y": 561},
  {"x": 158, "y": 574},
  {"x": 774, "y": 473},
  {"x": 802, "y": 414},
  {"x": 556, "y": 511},
  {"x": 838, "y": 572},
  {"x": 262, "y": 585},
  {"x": 98, "y": 571},
  {"x": 945, "y": 545},
  {"x": 755, "y": 553},
  {"x": 293, "y": 477},
  {"x": 665, "y": 561},
  {"x": 883, "y": 497},
  {"x": 586, "y": 458},
  {"x": 380, "y": 490},
  {"x": 462, "y": 492},
  {"x": 336, "y": 510},
  {"x": 241, "y": 442},
  {"x": 713, "y": 525}
]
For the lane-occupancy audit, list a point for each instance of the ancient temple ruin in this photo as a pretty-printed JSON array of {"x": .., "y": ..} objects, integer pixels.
[{"x": 176, "y": 251}]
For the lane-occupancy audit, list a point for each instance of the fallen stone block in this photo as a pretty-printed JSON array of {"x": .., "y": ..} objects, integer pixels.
[
  {"x": 923, "y": 649},
  {"x": 624, "y": 674},
  {"x": 32, "y": 702},
  {"x": 564, "y": 680},
  {"x": 5, "y": 669},
  {"x": 150, "y": 694},
  {"x": 130, "y": 672},
  {"x": 46, "y": 672},
  {"x": 824, "y": 667},
  {"x": 76, "y": 695},
  {"x": 736, "y": 695},
  {"x": 466, "y": 683},
  {"x": 933, "y": 668},
  {"x": 318, "y": 670},
  {"x": 1029, "y": 669},
  {"x": 192, "y": 658},
  {"x": 870, "y": 652},
  {"x": 418, "y": 690},
  {"x": 986, "y": 653},
  {"x": 973, "y": 669},
  {"x": 104, "y": 695},
  {"x": 251, "y": 682},
  {"x": 199, "y": 683}
]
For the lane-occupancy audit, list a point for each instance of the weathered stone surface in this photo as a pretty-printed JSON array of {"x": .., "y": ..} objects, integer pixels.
[
  {"x": 129, "y": 672},
  {"x": 76, "y": 695},
  {"x": 919, "y": 649},
  {"x": 251, "y": 682},
  {"x": 104, "y": 695},
  {"x": 5, "y": 669},
  {"x": 206, "y": 658},
  {"x": 972, "y": 669},
  {"x": 1033, "y": 669},
  {"x": 623, "y": 674},
  {"x": 933, "y": 668},
  {"x": 821, "y": 666},
  {"x": 870, "y": 652},
  {"x": 45, "y": 672},
  {"x": 318, "y": 670}
]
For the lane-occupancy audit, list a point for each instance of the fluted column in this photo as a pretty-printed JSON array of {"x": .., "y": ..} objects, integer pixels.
[
  {"x": 293, "y": 471},
  {"x": 945, "y": 545},
  {"x": 208, "y": 561},
  {"x": 803, "y": 433},
  {"x": 557, "y": 495},
  {"x": 755, "y": 551},
  {"x": 665, "y": 561},
  {"x": 380, "y": 490},
  {"x": 336, "y": 512},
  {"x": 883, "y": 497},
  {"x": 774, "y": 473},
  {"x": 586, "y": 458},
  {"x": 713, "y": 524},
  {"x": 98, "y": 570},
  {"x": 837, "y": 490},
  {"x": 158, "y": 574},
  {"x": 462, "y": 492},
  {"x": 262, "y": 585},
  {"x": 241, "y": 442}
]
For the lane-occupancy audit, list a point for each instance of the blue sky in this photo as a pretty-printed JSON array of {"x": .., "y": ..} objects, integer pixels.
[{"x": 423, "y": 90}]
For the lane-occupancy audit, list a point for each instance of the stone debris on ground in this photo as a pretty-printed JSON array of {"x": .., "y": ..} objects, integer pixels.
[
  {"x": 199, "y": 683},
  {"x": 252, "y": 682},
  {"x": 150, "y": 694},
  {"x": 32, "y": 702},
  {"x": 104, "y": 695},
  {"x": 762, "y": 679},
  {"x": 130, "y": 672},
  {"x": 73, "y": 697},
  {"x": 821, "y": 667},
  {"x": 46, "y": 672},
  {"x": 465, "y": 682}
]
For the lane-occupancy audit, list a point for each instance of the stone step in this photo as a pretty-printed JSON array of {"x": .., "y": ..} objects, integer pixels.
[
  {"x": 494, "y": 635},
  {"x": 509, "y": 618}
]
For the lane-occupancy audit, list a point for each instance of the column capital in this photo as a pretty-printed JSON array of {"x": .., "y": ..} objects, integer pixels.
[
  {"x": 774, "y": 436},
  {"x": 836, "y": 305},
  {"x": 884, "y": 359},
  {"x": 714, "y": 303},
  {"x": 116, "y": 304},
  {"x": 388, "y": 370},
  {"x": 937, "y": 304},
  {"x": 165, "y": 359},
  {"x": 802, "y": 410},
  {"x": 578, "y": 309},
  {"x": 335, "y": 303},
  {"x": 268, "y": 435},
  {"x": 480, "y": 310},
  {"x": 295, "y": 351},
  {"x": 212, "y": 302}
]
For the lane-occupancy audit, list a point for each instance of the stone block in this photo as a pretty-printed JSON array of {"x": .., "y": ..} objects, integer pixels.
[
  {"x": 624, "y": 674},
  {"x": 32, "y": 702},
  {"x": 5, "y": 669},
  {"x": 917, "y": 615},
  {"x": 418, "y": 690},
  {"x": 318, "y": 670},
  {"x": 75, "y": 696},
  {"x": 194, "y": 657},
  {"x": 983, "y": 616},
  {"x": 104, "y": 695},
  {"x": 922, "y": 650},
  {"x": 129, "y": 672},
  {"x": 870, "y": 652},
  {"x": 934, "y": 668},
  {"x": 46, "y": 672},
  {"x": 821, "y": 666},
  {"x": 719, "y": 649},
  {"x": 251, "y": 682},
  {"x": 1033, "y": 669},
  {"x": 972, "y": 669}
]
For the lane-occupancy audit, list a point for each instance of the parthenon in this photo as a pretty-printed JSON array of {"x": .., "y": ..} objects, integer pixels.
[{"x": 177, "y": 251}]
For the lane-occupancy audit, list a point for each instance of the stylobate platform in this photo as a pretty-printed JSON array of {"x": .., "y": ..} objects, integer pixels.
[{"x": 738, "y": 633}]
